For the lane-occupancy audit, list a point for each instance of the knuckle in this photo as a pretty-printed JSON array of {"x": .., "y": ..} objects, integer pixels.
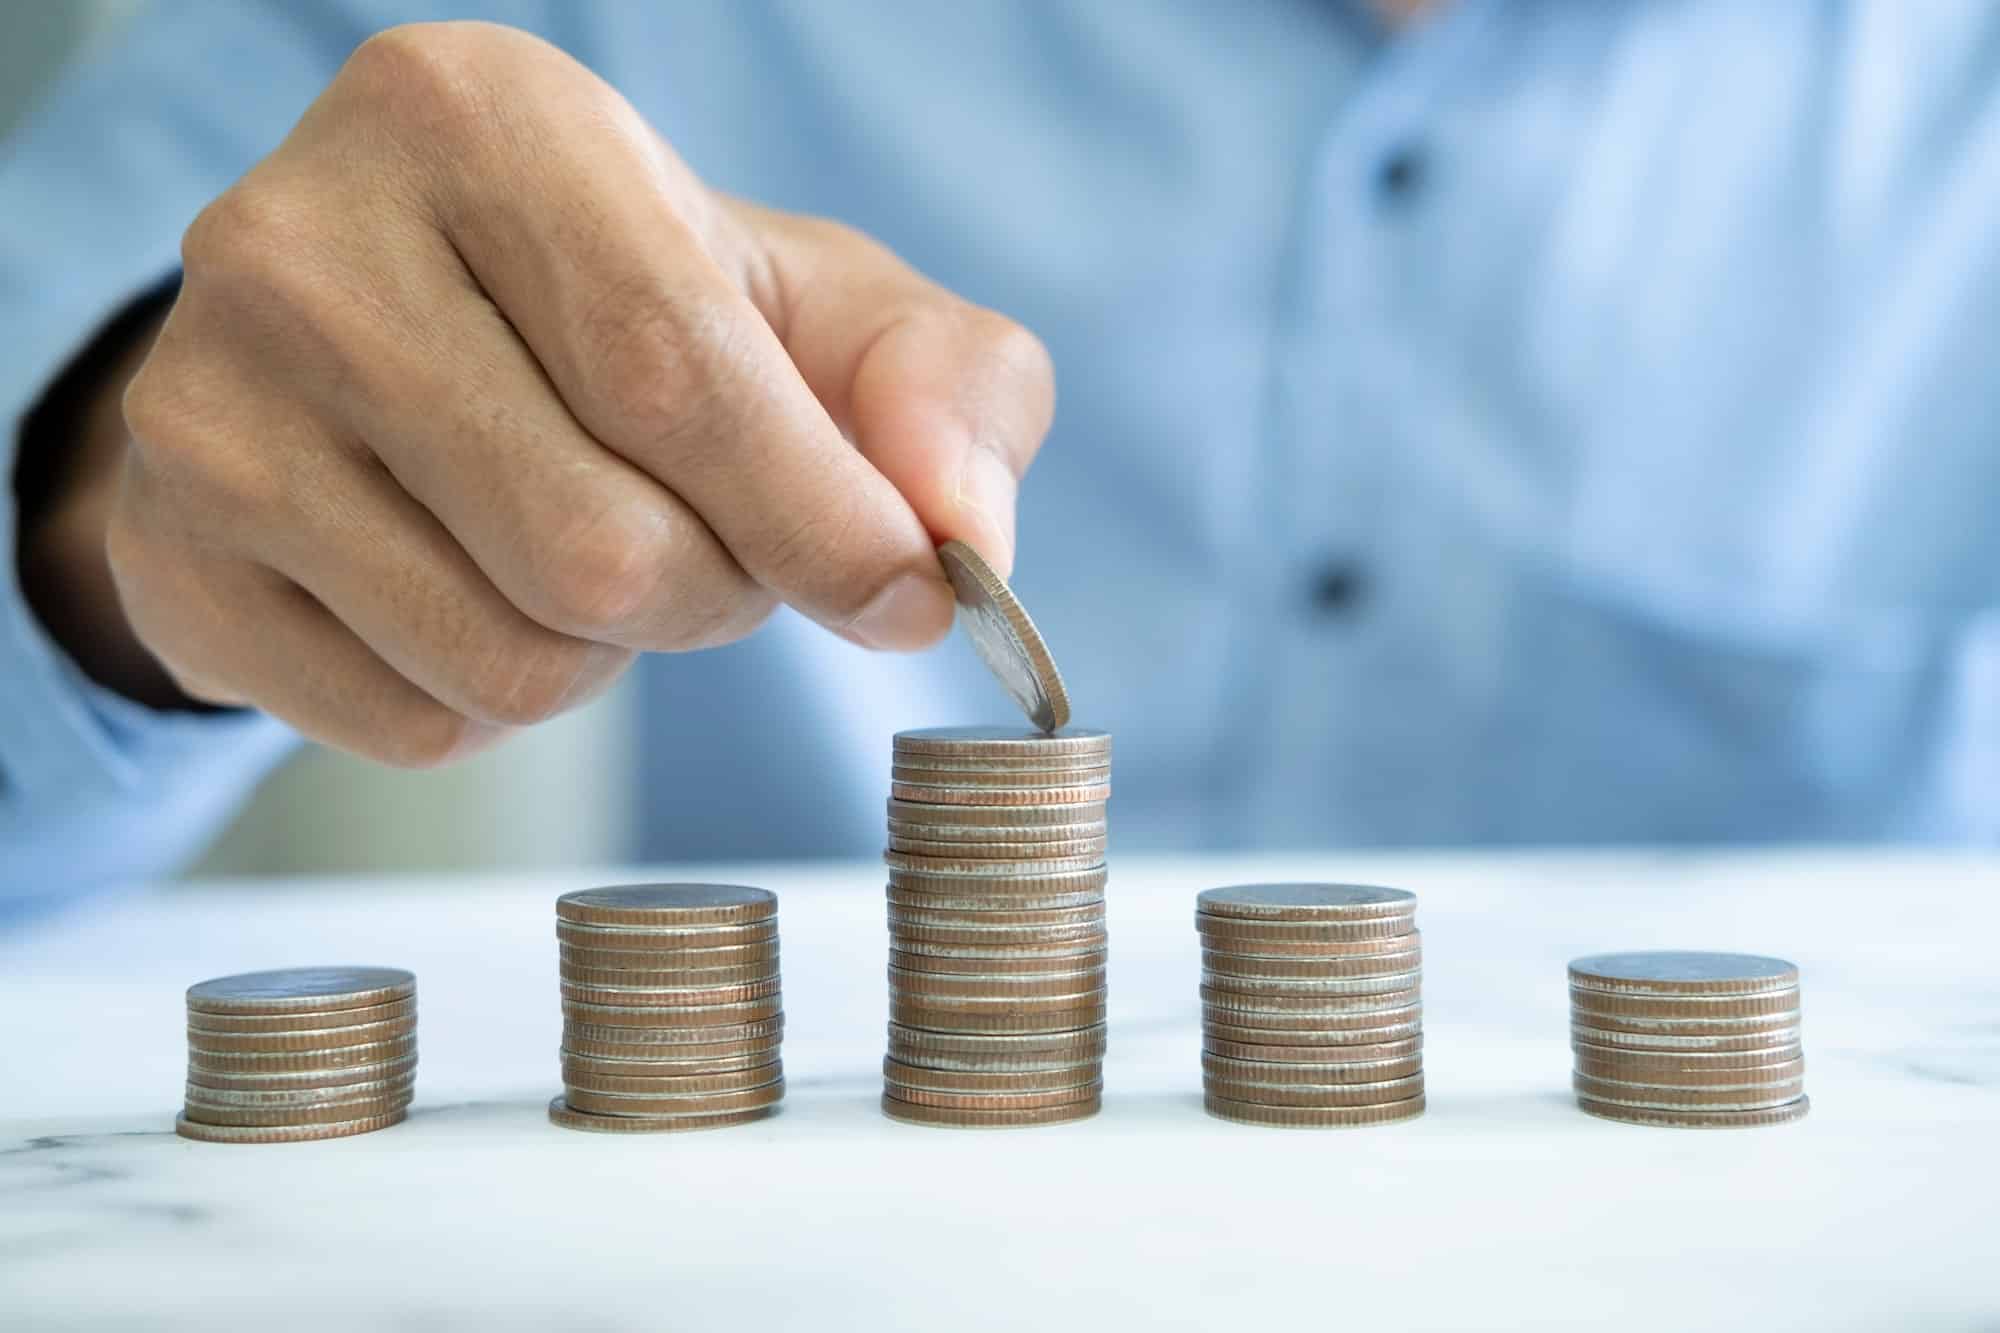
[
  {"x": 435, "y": 72},
  {"x": 184, "y": 450},
  {"x": 1021, "y": 357},
  {"x": 668, "y": 363},
  {"x": 726, "y": 620},
  {"x": 606, "y": 575},
  {"x": 523, "y": 685},
  {"x": 430, "y": 737},
  {"x": 251, "y": 231}
]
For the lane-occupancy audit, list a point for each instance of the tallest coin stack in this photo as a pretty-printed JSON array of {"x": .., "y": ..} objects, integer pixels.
[{"x": 996, "y": 926}]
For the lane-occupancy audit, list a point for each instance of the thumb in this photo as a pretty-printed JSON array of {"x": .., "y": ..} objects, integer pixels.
[{"x": 948, "y": 400}]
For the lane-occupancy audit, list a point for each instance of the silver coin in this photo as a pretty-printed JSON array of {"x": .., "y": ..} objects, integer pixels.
[
  {"x": 199, "y": 1094},
  {"x": 1675, "y": 1041},
  {"x": 1288, "y": 986},
  {"x": 302, "y": 988},
  {"x": 1304, "y": 902},
  {"x": 991, "y": 741},
  {"x": 645, "y": 903},
  {"x": 1671, "y": 972}
]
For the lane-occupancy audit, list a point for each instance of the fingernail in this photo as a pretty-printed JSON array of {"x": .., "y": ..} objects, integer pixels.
[
  {"x": 986, "y": 494},
  {"x": 911, "y": 613}
]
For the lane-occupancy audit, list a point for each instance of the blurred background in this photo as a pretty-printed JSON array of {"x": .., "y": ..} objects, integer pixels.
[{"x": 574, "y": 775}]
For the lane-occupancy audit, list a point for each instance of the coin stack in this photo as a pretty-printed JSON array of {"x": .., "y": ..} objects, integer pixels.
[
  {"x": 301, "y": 1053},
  {"x": 1312, "y": 1012},
  {"x": 671, "y": 1010},
  {"x": 996, "y": 926},
  {"x": 1695, "y": 1040}
]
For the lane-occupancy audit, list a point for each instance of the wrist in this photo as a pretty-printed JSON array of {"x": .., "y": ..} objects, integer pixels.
[{"x": 72, "y": 455}]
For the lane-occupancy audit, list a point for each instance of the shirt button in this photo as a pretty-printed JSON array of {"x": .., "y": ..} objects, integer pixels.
[
  {"x": 1338, "y": 588},
  {"x": 1401, "y": 174}
]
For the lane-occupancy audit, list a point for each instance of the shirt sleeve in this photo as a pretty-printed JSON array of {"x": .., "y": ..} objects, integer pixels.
[{"x": 96, "y": 188}]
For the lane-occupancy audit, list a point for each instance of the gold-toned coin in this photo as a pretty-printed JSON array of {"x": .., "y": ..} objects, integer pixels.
[
  {"x": 670, "y": 1085},
  {"x": 675, "y": 1104},
  {"x": 770, "y": 1027},
  {"x": 1703, "y": 1028},
  {"x": 1683, "y": 973},
  {"x": 1359, "y": 1028},
  {"x": 1776, "y": 1115},
  {"x": 1012, "y": 779},
  {"x": 642, "y": 939},
  {"x": 707, "y": 978},
  {"x": 189, "y": 1129},
  {"x": 1234, "y": 936},
  {"x": 1224, "y": 1069},
  {"x": 1305, "y": 902},
  {"x": 1627, "y": 1073},
  {"x": 1248, "y": 1052},
  {"x": 1588, "y": 1005},
  {"x": 1034, "y": 965},
  {"x": 1012, "y": 1017},
  {"x": 674, "y": 997},
  {"x": 994, "y": 1101},
  {"x": 561, "y": 1114},
  {"x": 1385, "y": 1093},
  {"x": 292, "y": 989},
  {"x": 975, "y": 871},
  {"x": 996, "y": 1052},
  {"x": 1309, "y": 991},
  {"x": 985, "y": 742},
  {"x": 292, "y": 1062},
  {"x": 1713, "y": 1042},
  {"x": 943, "y": 987},
  {"x": 400, "y": 1085},
  {"x": 1005, "y": 638},
  {"x": 923, "y": 836},
  {"x": 274, "y": 1117},
  {"x": 1688, "y": 1062},
  {"x": 669, "y": 905},
  {"x": 671, "y": 1017},
  {"x": 1685, "y": 1099},
  {"x": 957, "y": 1118},
  {"x": 301, "y": 1020},
  {"x": 1311, "y": 969},
  {"x": 1000, "y": 796},
  {"x": 1061, "y": 1078},
  {"x": 314, "y": 1039},
  {"x": 702, "y": 1055},
  {"x": 1312, "y": 1117},
  {"x": 1005, "y": 852},
  {"x": 764, "y": 954},
  {"x": 1026, "y": 942},
  {"x": 1030, "y": 899},
  {"x": 303, "y": 1078},
  {"x": 1007, "y": 818},
  {"x": 583, "y": 1069},
  {"x": 1236, "y": 1003}
]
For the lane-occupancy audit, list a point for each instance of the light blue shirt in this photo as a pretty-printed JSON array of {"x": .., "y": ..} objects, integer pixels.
[{"x": 1560, "y": 422}]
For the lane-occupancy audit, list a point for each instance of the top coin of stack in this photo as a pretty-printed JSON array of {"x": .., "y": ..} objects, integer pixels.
[
  {"x": 1692, "y": 1040},
  {"x": 671, "y": 1010},
  {"x": 996, "y": 926},
  {"x": 1312, "y": 1010},
  {"x": 300, "y": 1053}
]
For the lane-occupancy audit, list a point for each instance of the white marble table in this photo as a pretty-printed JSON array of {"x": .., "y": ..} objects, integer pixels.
[{"x": 1504, "y": 1206}]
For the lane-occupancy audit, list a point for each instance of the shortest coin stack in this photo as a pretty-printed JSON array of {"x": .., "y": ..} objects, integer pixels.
[
  {"x": 671, "y": 1010},
  {"x": 1312, "y": 1013},
  {"x": 1692, "y": 1040},
  {"x": 300, "y": 1053}
]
